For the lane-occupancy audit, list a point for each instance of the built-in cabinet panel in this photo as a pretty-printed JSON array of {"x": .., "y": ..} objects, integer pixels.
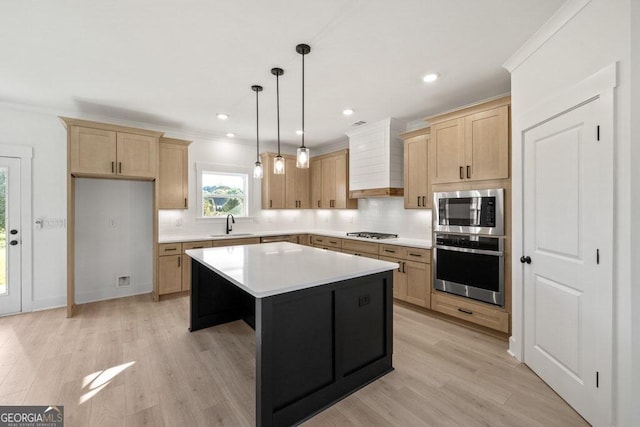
[
  {"x": 170, "y": 274},
  {"x": 186, "y": 261},
  {"x": 137, "y": 155},
  {"x": 173, "y": 173},
  {"x": 413, "y": 275},
  {"x": 417, "y": 182}
]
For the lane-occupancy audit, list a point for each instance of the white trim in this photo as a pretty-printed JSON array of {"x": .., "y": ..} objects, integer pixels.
[
  {"x": 25, "y": 154},
  {"x": 558, "y": 20},
  {"x": 598, "y": 84}
]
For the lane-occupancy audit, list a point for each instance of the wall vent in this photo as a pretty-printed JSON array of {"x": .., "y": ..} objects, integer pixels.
[
  {"x": 359, "y": 123},
  {"x": 123, "y": 281}
]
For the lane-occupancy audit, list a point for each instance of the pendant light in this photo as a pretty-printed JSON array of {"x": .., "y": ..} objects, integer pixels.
[
  {"x": 278, "y": 162},
  {"x": 257, "y": 168},
  {"x": 302, "y": 155}
]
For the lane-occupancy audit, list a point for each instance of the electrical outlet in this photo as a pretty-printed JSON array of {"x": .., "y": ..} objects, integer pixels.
[{"x": 123, "y": 281}]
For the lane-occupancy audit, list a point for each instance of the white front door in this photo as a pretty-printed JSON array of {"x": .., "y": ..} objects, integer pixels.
[
  {"x": 10, "y": 248},
  {"x": 568, "y": 239}
]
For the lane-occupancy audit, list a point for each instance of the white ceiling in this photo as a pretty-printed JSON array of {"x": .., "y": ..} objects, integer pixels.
[{"x": 174, "y": 64}]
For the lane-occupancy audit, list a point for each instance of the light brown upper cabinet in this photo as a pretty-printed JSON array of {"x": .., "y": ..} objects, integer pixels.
[
  {"x": 329, "y": 182},
  {"x": 417, "y": 185},
  {"x": 296, "y": 186},
  {"x": 471, "y": 144},
  {"x": 273, "y": 195},
  {"x": 108, "y": 153},
  {"x": 173, "y": 173}
]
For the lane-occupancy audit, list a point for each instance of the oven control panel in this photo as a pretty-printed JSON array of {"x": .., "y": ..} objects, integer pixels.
[{"x": 469, "y": 241}]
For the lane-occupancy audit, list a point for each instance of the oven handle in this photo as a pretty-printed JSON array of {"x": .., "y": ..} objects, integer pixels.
[{"x": 471, "y": 251}]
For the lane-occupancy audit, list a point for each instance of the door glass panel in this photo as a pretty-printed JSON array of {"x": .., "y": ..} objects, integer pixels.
[{"x": 3, "y": 231}]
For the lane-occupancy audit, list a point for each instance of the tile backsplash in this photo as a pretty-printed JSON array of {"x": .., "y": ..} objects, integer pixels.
[{"x": 386, "y": 215}]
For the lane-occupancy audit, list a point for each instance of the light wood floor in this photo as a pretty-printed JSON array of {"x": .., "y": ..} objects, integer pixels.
[{"x": 132, "y": 362}]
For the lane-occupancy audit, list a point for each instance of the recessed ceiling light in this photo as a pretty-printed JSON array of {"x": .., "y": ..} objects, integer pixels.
[
  {"x": 222, "y": 116},
  {"x": 432, "y": 77},
  {"x": 348, "y": 111},
  {"x": 231, "y": 135},
  {"x": 299, "y": 132}
]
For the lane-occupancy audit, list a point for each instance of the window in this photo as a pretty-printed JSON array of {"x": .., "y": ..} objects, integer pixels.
[{"x": 223, "y": 193}]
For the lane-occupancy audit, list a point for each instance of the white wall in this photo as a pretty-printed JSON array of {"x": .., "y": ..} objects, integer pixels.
[
  {"x": 597, "y": 36},
  {"x": 46, "y": 134},
  {"x": 635, "y": 203},
  {"x": 113, "y": 238}
]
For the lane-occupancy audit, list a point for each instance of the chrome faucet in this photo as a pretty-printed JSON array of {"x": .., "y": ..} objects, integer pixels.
[{"x": 233, "y": 221}]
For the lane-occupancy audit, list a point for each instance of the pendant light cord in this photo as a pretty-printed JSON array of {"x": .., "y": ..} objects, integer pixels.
[
  {"x": 303, "y": 101},
  {"x": 257, "y": 130},
  {"x": 278, "y": 108}
]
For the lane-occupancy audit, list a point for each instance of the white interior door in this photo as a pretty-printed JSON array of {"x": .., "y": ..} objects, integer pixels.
[
  {"x": 10, "y": 248},
  {"x": 568, "y": 237}
]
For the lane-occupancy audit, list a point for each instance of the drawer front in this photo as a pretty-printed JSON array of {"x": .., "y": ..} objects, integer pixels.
[
  {"x": 234, "y": 242},
  {"x": 470, "y": 311},
  {"x": 364, "y": 254},
  {"x": 418, "y": 255},
  {"x": 196, "y": 245},
  {"x": 360, "y": 247},
  {"x": 393, "y": 251},
  {"x": 325, "y": 241},
  {"x": 169, "y": 249}
]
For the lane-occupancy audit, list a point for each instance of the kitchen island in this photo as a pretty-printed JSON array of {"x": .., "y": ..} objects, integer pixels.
[{"x": 323, "y": 320}]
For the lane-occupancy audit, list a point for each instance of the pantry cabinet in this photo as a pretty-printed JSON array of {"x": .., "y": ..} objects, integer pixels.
[
  {"x": 471, "y": 144},
  {"x": 173, "y": 173},
  {"x": 417, "y": 182}
]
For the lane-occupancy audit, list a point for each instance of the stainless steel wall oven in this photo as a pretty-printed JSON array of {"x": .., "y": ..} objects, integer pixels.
[{"x": 469, "y": 244}]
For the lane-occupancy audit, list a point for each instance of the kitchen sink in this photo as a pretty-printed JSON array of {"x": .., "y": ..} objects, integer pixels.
[{"x": 232, "y": 235}]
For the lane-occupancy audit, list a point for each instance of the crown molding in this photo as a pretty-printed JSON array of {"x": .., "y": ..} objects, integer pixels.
[{"x": 558, "y": 20}]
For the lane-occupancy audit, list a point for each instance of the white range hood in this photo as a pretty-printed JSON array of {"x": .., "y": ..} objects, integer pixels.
[{"x": 376, "y": 160}]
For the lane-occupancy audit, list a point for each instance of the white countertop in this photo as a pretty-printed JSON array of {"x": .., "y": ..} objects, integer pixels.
[
  {"x": 192, "y": 237},
  {"x": 269, "y": 269}
]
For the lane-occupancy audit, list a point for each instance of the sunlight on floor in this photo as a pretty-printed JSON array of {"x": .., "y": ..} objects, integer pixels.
[{"x": 98, "y": 380}]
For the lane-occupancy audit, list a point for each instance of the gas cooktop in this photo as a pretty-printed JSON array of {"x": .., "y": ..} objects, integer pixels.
[{"x": 372, "y": 235}]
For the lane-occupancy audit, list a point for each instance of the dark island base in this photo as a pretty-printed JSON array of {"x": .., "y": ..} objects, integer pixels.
[{"x": 313, "y": 347}]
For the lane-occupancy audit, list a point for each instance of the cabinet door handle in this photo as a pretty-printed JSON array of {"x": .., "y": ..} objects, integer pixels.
[
  {"x": 424, "y": 204},
  {"x": 390, "y": 251},
  {"x": 170, "y": 249},
  {"x": 270, "y": 203},
  {"x": 468, "y": 171},
  {"x": 413, "y": 254},
  {"x": 462, "y": 310},
  {"x": 119, "y": 167},
  {"x": 461, "y": 173},
  {"x": 179, "y": 258},
  {"x": 399, "y": 267},
  {"x": 418, "y": 201},
  {"x": 318, "y": 203},
  {"x": 113, "y": 167},
  {"x": 185, "y": 202},
  {"x": 404, "y": 265}
]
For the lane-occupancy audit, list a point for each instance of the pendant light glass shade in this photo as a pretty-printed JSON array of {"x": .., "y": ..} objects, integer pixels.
[
  {"x": 278, "y": 162},
  {"x": 257, "y": 168},
  {"x": 302, "y": 158},
  {"x": 303, "y": 155},
  {"x": 278, "y": 165}
]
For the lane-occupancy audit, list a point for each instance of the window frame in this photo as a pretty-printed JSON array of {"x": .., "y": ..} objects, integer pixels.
[{"x": 216, "y": 168}]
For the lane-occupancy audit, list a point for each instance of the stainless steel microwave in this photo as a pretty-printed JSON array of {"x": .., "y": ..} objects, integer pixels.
[{"x": 469, "y": 212}]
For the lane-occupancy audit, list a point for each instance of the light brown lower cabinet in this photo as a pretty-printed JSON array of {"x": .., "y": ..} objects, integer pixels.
[
  {"x": 471, "y": 311},
  {"x": 186, "y": 261},
  {"x": 412, "y": 278}
]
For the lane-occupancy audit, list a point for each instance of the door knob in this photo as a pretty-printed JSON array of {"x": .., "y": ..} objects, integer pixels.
[
  {"x": 13, "y": 242},
  {"x": 526, "y": 259},
  {"x": 14, "y": 231}
]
